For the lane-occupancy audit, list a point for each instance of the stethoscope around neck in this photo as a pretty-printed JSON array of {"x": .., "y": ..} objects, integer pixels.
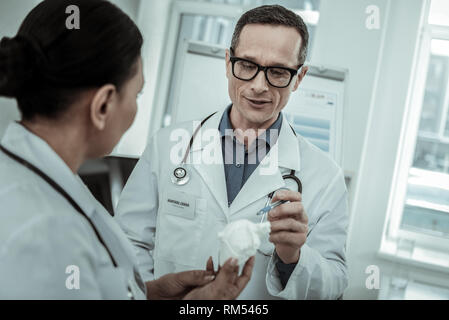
[{"x": 180, "y": 175}]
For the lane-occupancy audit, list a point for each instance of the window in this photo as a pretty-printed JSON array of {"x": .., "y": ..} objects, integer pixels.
[
  {"x": 426, "y": 207},
  {"x": 419, "y": 205},
  {"x": 439, "y": 13}
]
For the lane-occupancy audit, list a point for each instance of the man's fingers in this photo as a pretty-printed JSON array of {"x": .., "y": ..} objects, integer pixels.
[
  {"x": 289, "y": 195},
  {"x": 289, "y": 224},
  {"x": 293, "y": 210},
  {"x": 288, "y": 238},
  {"x": 243, "y": 280},
  {"x": 195, "y": 278}
]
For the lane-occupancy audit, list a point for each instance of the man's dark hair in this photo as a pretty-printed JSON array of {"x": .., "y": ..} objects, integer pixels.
[{"x": 273, "y": 15}]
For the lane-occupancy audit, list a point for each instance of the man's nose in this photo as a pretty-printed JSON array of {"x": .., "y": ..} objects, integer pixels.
[{"x": 259, "y": 84}]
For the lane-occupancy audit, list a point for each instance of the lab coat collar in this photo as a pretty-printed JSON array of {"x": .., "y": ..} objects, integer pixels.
[
  {"x": 263, "y": 140},
  {"x": 289, "y": 155},
  {"x": 287, "y": 141},
  {"x": 212, "y": 174},
  {"x": 285, "y": 153},
  {"x": 25, "y": 144}
]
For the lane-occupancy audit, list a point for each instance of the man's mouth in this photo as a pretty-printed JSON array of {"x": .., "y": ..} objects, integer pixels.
[{"x": 259, "y": 102}]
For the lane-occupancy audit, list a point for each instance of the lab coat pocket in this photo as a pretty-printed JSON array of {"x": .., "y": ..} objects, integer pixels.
[
  {"x": 113, "y": 283},
  {"x": 179, "y": 228}
]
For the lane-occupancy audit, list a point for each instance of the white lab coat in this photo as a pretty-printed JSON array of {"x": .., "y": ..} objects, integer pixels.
[
  {"x": 172, "y": 240},
  {"x": 42, "y": 235}
]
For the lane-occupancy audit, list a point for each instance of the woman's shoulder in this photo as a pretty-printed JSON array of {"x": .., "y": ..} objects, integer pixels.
[
  {"x": 27, "y": 208},
  {"x": 30, "y": 207}
]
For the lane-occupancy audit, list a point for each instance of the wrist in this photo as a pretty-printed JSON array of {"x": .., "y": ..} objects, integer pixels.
[{"x": 292, "y": 259}]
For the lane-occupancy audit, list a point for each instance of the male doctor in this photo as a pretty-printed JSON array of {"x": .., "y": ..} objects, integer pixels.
[{"x": 174, "y": 226}]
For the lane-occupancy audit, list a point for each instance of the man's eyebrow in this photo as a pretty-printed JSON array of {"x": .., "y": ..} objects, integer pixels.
[{"x": 276, "y": 64}]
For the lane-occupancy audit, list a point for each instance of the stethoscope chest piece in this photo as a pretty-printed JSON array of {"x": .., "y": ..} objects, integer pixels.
[{"x": 180, "y": 176}]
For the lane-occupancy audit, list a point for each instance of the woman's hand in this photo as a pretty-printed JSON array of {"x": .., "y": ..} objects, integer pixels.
[
  {"x": 227, "y": 285},
  {"x": 202, "y": 284}
]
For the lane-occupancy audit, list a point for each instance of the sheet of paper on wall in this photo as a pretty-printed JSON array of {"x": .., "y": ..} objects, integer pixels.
[
  {"x": 313, "y": 117},
  {"x": 315, "y": 112}
]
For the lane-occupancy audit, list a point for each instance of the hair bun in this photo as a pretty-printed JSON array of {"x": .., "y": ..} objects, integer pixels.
[{"x": 17, "y": 64}]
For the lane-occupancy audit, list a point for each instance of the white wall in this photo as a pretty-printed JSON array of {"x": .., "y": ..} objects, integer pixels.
[
  {"x": 342, "y": 40},
  {"x": 152, "y": 19}
]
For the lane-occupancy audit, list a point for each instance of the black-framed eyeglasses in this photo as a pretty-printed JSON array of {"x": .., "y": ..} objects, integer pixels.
[{"x": 247, "y": 70}]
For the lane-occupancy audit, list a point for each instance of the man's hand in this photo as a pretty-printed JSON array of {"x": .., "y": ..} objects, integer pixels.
[
  {"x": 175, "y": 286},
  {"x": 288, "y": 226},
  {"x": 227, "y": 284}
]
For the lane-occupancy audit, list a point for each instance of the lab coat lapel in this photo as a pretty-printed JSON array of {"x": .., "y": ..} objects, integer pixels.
[
  {"x": 207, "y": 159},
  {"x": 289, "y": 155},
  {"x": 267, "y": 177}
]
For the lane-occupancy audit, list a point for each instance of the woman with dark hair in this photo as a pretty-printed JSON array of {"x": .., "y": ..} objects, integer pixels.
[{"x": 76, "y": 90}]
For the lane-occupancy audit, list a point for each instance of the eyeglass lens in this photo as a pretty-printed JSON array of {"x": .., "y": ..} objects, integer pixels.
[{"x": 246, "y": 70}]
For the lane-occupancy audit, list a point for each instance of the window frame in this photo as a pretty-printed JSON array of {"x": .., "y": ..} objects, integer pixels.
[{"x": 425, "y": 250}]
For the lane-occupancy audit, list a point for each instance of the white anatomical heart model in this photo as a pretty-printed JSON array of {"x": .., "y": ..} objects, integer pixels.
[{"x": 241, "y": 239}]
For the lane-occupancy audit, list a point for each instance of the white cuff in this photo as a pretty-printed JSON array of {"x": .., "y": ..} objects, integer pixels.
[{"x": 273, "y": 281}]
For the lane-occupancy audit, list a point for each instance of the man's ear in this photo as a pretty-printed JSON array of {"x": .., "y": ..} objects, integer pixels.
[
  {"x": 228, "y": 64},
  {"x": 300, "y": 76},
  {"x": 101, "y": 104}
]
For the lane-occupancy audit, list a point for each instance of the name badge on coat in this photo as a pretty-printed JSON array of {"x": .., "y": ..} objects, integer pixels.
[{"x": 180, "y": 204}]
